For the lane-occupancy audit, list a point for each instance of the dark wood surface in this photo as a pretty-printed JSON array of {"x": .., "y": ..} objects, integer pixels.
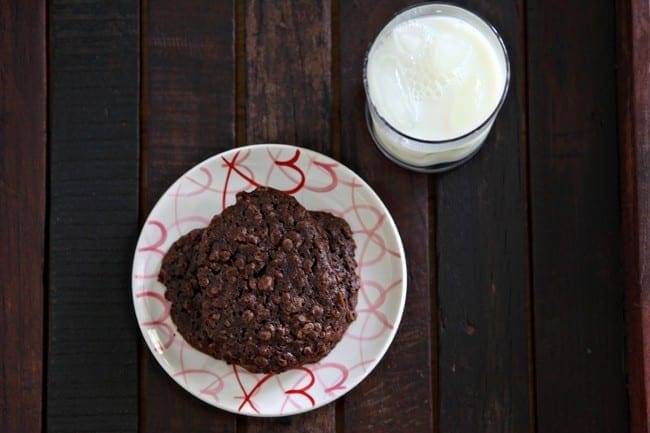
[
  {"x": 575, "y": 220},
  {"x": 92, "y": 337},
  {"x": 633, "y": 20},
  {"x": 23, "y": 117},
  {"x": 524, "y": 264}
]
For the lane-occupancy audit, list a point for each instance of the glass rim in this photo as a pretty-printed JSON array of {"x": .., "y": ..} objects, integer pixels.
[{"x": 493, "y": 113}]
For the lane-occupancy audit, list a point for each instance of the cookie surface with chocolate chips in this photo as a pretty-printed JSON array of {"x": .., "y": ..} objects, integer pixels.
[
  {"x": 267, "y": 285},
  {"x": 178, "y": 274},
  {"x": 342, "y": 249}
]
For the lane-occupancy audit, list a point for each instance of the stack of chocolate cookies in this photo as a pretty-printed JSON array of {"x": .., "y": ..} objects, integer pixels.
[{"x": 268, "y": 285}]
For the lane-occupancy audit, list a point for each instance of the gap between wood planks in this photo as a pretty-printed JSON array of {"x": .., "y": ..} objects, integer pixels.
[{"x": 530, "y": 306}]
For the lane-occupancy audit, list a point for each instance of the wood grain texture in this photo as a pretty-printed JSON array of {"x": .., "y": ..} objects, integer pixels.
[
  {"x": 397, "y": 396},
  {"x": 483, "y": 264},
  {"x": 575, "y": 218},
  {"x": 288, "y": 53},
  {"x": 317, "y": 421},
  {"x": 92, "y": 371},
  {"x": 188, "y": 115},
  {"x": 22, "y": 212},
  {"x": 633, "y": 24},
  {"x": 288, "y": 100}
]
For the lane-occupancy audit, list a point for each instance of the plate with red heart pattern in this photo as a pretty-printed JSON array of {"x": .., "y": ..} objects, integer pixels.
[{"x": 318, "y": 182}]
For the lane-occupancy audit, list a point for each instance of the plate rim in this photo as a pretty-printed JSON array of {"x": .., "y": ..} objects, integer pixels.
[{"x": 381, "y": 353}]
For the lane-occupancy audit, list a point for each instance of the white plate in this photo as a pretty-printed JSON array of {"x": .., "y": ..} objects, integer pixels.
[{"x": 318, "y": 183}]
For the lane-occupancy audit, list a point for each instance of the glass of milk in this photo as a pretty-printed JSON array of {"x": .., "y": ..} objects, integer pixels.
[{"x": 435, "y": 79}]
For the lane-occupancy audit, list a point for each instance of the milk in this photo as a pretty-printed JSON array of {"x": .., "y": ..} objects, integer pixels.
[{"x": 434, "y": 77}]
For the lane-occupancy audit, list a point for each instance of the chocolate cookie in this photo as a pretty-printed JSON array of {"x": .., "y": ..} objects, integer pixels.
[
  {"x": 178, "y": 274},
  {"x": 269, "y": 286},
  {"x": 342, "y": 248}
]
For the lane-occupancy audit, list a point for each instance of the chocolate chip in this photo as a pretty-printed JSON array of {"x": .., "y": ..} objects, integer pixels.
[
  {"x": 247, "y": 316},
  {"x": 307, "y": 265},
  {"x": 287, "y": 244},
  {"x": 317, "y": 311},
  {"x": 340, "y": 297},
  {"x": 265, "y": 283},
  {"x": 261, "y": 361}
]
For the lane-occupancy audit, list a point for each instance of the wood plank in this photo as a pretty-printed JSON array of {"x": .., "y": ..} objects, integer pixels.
[
  {"x": 319, "y": 420},
  {"x": 288, "y": 100},
  {"x": 188, "y": 115},
  {"x": 575, "y": 218},
  {"x": 288, "y": 53},
  {"x": 634, "y": 143},
  {"x": 397, "y": 395},
  {"x": 483, "y": 264},
  {"x": 22, "y": 212},
  {"x": 92, "y": 371}
]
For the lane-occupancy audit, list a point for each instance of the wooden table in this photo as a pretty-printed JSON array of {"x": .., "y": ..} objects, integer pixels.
[{"x": 515, "y": 318}]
